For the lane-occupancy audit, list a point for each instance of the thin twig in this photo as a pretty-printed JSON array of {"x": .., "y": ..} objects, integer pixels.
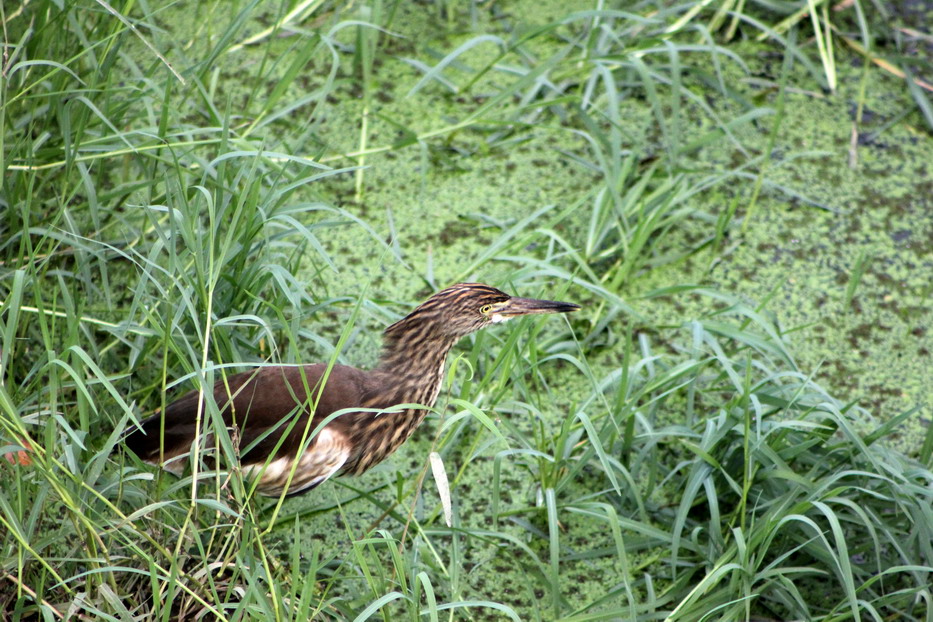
[{"x": 31, "y": 592}]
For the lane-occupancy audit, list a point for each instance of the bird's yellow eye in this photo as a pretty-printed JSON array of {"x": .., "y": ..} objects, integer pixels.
[{"x": 485, "y": 309}]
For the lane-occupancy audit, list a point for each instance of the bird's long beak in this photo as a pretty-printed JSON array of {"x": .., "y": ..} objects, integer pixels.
[{"x": 527, "y": 306}]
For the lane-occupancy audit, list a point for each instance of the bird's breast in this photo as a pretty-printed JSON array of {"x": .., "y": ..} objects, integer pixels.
[{"x": 376, "y": 436}]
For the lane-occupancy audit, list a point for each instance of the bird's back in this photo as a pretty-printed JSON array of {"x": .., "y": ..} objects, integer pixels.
[{"x": 267, "y": 408}]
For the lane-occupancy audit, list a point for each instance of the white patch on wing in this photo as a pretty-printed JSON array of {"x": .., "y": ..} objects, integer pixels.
[
  {"x": 326, "y": 455},
  {"x": 174, "y": 465},
  {"x": 276, "y": 469}
]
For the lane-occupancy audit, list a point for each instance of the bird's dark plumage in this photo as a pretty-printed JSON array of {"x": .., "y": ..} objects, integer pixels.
[{"x": 267, "y": 408}]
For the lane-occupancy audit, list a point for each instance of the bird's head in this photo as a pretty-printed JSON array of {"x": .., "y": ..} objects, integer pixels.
[{"x": 467, "y": 307}]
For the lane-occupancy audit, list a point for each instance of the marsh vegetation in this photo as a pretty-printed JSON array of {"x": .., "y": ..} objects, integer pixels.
[{"x": 735, "y": 427}]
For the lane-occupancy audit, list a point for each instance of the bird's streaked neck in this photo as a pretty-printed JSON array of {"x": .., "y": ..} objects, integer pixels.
[
  {"x": 415, "y": 365},
  {"x": 414, "y": 346}
]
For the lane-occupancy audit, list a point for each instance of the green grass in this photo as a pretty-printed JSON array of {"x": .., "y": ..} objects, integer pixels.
[{"x": 180, "y": 185}]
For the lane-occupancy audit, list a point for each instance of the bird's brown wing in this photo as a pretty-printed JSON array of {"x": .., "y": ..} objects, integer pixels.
[{"x": 268, "y": 409}]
